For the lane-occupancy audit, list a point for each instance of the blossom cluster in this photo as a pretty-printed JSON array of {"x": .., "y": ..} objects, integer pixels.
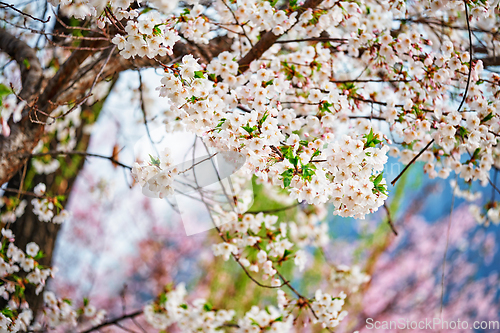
[
  {"x": 58, "y": 312},
  {"x": 44, "y": 207},
  {"x": 348, "y": 178},
  {"x": 349, "y": 278},
  {"x": 257, "y": 243},
  {"x": 171, "y": 308},
  {"x": 258, "y": 135},
  {"x": 13, "y": 209},
  {"x": 329, "y": 308},
  {"x": 306, "y": 119},
  {"x": 194, "y": 26},
  {"x": 156, "y": 176},
  {"x": 271, "y": 318},
  {"x": 244, "y": 111},
  {"x": 148, "y": 37},
  {"x": 21, "y": 269},
  {"x": 12, "y": 286}
]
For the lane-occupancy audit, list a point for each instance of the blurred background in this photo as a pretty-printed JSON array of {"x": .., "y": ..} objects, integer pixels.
[{"x": 120, "y": 248}]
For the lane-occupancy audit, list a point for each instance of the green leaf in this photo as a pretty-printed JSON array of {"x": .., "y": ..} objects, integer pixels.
[
  {"x": 39, "y": 255},
  {"x": 184, "y": 306},
  {"x": 487, "y": 118},
  {"x": 371, "y": 139},
  {"x": 475, "y": 156},
  {"x": 19, "y": 291},
  {"x": 287, "y": 173},
  {"x": 58, "y": 204},
  {"x": 26, "y": 63},
  {"x": 85, "y": 301},
  {"x": 287, "y": 177},
  {"x": 207, "y": 306},
  {"x": 254, "y": 322},
  {"x": 156, "y": 30},
  {"x": 325, "y": 106},
  {"x": 7, "y": 312},
  {"x": 268, "y": 83},
  {"x": 162, "y": 298},
  {"x": 4, "y": 90},
  {"x": 154, "y": 161},
  {"x": 308, "y": 171},
  {"x": 249, "y": 129},
  {"x": 462, "y": 132},
  {"x": 378, "y": 179},
  {"x": 286, "y": 181},
  {"x": 304, "y": 142},
  {"x": 221, "y": 122},
  {"x": 293, "y": 159},
  {"x": 199, "y": 75},
  {"x": 263, "y": 119},
  {"x": 286, "y": 253}
]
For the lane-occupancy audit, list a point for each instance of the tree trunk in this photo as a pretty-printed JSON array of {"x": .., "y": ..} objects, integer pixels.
[{"x": 28, "y": 228}]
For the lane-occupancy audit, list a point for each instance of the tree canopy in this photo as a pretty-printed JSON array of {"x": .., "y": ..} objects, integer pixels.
[{"x": 243, "y": 103}]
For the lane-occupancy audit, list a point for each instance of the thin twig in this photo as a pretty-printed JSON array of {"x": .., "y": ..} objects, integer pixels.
[
  {"x": 91, "y": 87},
  {"x": 314, "y": 39},
  {"x": 20, "y": 192},
  {"x": 21, "y": 185},
  {"x": 270, "y": 211},
  {"x": 143, "y": 109},
  {"x": 81, "y": 153},
  {"x": 195, "y": 164},
  {"x": 6, "y": 5},
  {"x": 470, "y": 54},
  {"x": 412, "y": 161},
  {"x": 389, "y": 219},
  {"x": 113, "y": 321}
]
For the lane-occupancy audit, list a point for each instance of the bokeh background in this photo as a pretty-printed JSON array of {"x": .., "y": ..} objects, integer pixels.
[{"x": 120, "y": 248}]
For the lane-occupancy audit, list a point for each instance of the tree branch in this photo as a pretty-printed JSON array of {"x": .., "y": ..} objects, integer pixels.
[
  {"x": 69, "y": 84},
  {"x": 25, "y": 56},
  {"x": 268, "y": 39},
  {"x": 81, "y": 153},
  {"x": 113, "y": 321},
  {"x": 491, "y": 61}
]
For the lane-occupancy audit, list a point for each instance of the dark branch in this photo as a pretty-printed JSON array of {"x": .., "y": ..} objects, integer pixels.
[
  {"x": 26, "y": 58},
  {"x": 389, "y": 219},
  {"x": 6, "y": 5},
  {"x": 268, "y": 39},
  {"x": 81, "y": 153},
  {"x": 412, "y": 161},
  {"x": 113, "y": 321},
  {"x": 270, "y": 211}
]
